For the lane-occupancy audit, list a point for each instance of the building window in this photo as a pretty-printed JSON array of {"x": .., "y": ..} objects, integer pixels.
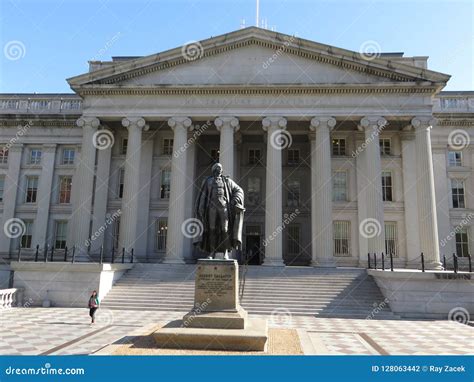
[
  {"x": 339, "y": 182},
  {"x": 68, "y": 156},
  {"x": 27, "y": 235},
  {"x": 116, "y": 234},
  {"x": 293, "y": 193},
  {"x": 123, "y": 146},
  {"x": 338, "y": 147},
  {"x": 253, "y": 191},
  {"x": 65, "y": 186},
  {"x": 342, "y": 238},
  {"x": 385, "y": 146},
  {"x": 215, "y": 155},
  {"x": 293, "y": 157},
  {"x": 454, "y": 158},
  {"x": 35, "y": 156},
  {"x": 121, "y": 182},
  {"x": 167, "y": 146},
  {"x": 2, "y": 187},
  {"x": 31, "y": 189},
  {"x": 391, "y": 238},
  {"x": 293, "y": 239},
  {"x": 462, "y": 242},
  {"x": 60, "y": 234},
  {"x": 457, "y": 190},
  {"x": 255, "y": 156},
  {"x": 161, "y": 231},
  {"x": 4, "y": 155},
  {"x": 165, "y": 184},
  {"x": 387, "y": 186}
]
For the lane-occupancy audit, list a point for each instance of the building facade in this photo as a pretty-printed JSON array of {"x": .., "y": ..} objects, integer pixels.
[{"x": 340, "y": 154}]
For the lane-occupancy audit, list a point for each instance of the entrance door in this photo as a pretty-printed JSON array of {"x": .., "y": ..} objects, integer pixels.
[{"x": 253, "y": 253}]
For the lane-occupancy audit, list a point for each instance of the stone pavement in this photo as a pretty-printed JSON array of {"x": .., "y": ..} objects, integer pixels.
[{"x": 59, "y": 331}]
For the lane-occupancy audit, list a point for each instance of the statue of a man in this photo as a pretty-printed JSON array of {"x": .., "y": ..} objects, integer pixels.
[{"x": 220, "y": 208}]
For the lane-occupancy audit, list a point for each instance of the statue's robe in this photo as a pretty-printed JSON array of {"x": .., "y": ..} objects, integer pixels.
[{"x": 235, "y": 210}]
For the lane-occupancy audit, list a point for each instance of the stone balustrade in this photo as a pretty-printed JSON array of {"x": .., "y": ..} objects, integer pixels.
[
  {"x": 11, "y": 297},
  {"x": 24, "y": 104}
]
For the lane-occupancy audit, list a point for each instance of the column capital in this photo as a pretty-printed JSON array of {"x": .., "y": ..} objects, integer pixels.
[
  {"x": 175, "y": 122},
  {"x": 137, "y": 122},
  {"x": 322, "y": 121},
  {"x": 278, "y": 122},
  {"x": 426, "y": 122},
  {"x": 372, "y": 122},
  {"x": 232, "y": 122},
  {"x": 90, "y": 122}
]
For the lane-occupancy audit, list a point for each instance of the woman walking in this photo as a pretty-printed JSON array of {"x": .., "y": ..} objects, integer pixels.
[{"x": 93, "y": 305}]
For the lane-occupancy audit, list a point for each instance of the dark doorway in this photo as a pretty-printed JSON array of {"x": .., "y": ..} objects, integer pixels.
[{"x": 253, "y": 253}]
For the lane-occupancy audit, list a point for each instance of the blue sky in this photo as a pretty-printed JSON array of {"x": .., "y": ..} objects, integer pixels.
[{"x": 56, "y": 38}]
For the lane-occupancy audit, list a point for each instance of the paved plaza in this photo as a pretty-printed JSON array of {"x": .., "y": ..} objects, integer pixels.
[{"x": 66, "y": 331}]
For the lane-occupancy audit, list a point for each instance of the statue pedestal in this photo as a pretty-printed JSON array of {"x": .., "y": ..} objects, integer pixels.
[{"x": 217, "y": 320}]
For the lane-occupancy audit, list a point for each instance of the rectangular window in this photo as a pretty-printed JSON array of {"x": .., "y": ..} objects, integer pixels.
[
  {"x": 391, "y": 238},
  {"x": 293, "y": 193},
  {"x": 462, "y": 242},
  {"x": 4, "y": 155},
  {"x": 165, "y": 184},
  {"x": 293, "y": 157},
  {"x": 293, "y": 239},
  {"x": 457, "y": 191},
  {"x": 2, "y": 187},
  {"x": 253, "y": 191},
  {"x": 27, "y": 235},
  {"x": 60, "y": 234},
  {"x": 35, "y": 156},
  {"x": 116, "y": 234},
  {"x": 385, "y": 146},
  {"x": 65, "y": 186},
  {"x": 342, "y": 238},
  {"x": 31, "y": 189},
  {"x": 167, "y": 146},
  {"x": 120, "y": 183},
  {"x": 161, "y": 231},
  {"x": 254, "y": 156},
  {"x": 123, "y": 146},
  {"x": 386, "y": 186},
  {"x": 68, "y": 156},
  {"x": 339, "y": 182},
  {"x": 455, "y": 158},
  {"x": 338, "y": 147}
]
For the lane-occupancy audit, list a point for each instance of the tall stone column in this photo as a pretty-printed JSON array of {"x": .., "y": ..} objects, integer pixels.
[
  {"x": 131, "y": 188},
  {"x": 273, "y": 192},
  {"x": 321, "y": 193},
  {"x": 373, "y": 226},
  {"x": 82, "y": 186},
  {"x": 227, "y": 126},
  {"x": 175, "y": 239},
  {"x": 10, "y": 197},
  {"x": 427, "y": 219}
]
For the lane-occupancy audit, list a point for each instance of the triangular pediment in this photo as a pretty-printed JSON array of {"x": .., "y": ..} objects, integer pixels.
[{"x": 259, "y": 57}]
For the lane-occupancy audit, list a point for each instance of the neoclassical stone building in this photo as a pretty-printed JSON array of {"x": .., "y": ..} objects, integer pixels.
[{"x": 340, "y": 154}]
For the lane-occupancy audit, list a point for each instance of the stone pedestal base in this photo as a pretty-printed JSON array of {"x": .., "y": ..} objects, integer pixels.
[{"x": 216, "y": 320}]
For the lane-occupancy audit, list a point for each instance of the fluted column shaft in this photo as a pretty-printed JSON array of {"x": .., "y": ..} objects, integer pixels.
[
  {"x": 321, "y": 193},
  {"x": 177, "y": 203},
  {"x": 227, "y": 127},
  {"x": 273, "y": 192},
  {"x": 427, "y": 221},
  {"x": 373, "y": 227},
  {"x": 131, "y": 186}
]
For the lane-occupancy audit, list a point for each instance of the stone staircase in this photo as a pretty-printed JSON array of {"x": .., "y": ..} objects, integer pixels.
[{"x": 341, "y": 292}]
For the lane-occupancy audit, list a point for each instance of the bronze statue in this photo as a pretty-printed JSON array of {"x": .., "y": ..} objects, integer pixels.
[{"x": 220, "y": 208}]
